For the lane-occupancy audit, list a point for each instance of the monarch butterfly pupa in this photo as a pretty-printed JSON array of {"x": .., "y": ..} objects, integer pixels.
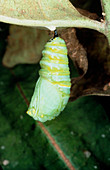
[{"x": 52, "y": 89}]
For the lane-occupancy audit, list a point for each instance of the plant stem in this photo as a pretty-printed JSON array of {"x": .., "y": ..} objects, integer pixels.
[
  {"x": 79, "y": 23},
  {"x": 106, "y": 8}
]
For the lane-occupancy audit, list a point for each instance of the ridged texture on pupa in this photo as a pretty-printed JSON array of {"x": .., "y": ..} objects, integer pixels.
[{"x": 52, "y": 89}]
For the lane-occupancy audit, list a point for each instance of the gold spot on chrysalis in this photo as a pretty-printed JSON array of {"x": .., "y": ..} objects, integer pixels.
[
  {"x": 30, "y": 113},
  {"x": 42, "y": 116}
]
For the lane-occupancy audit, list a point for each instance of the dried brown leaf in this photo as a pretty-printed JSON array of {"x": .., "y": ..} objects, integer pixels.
[
  {"x": 97, "y": 79},
  {"x": 25, "y": 45}
]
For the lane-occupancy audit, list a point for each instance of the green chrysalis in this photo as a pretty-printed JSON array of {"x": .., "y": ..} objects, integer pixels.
[{"x": 52, "y": 89}]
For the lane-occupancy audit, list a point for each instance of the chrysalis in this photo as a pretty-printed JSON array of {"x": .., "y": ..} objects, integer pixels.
[{"x": 52, "y": 89}]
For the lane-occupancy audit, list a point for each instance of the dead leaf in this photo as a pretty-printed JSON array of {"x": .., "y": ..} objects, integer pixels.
[
  {"x": 97, "y": 79},
  {"x": 25, "y": 45}
]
